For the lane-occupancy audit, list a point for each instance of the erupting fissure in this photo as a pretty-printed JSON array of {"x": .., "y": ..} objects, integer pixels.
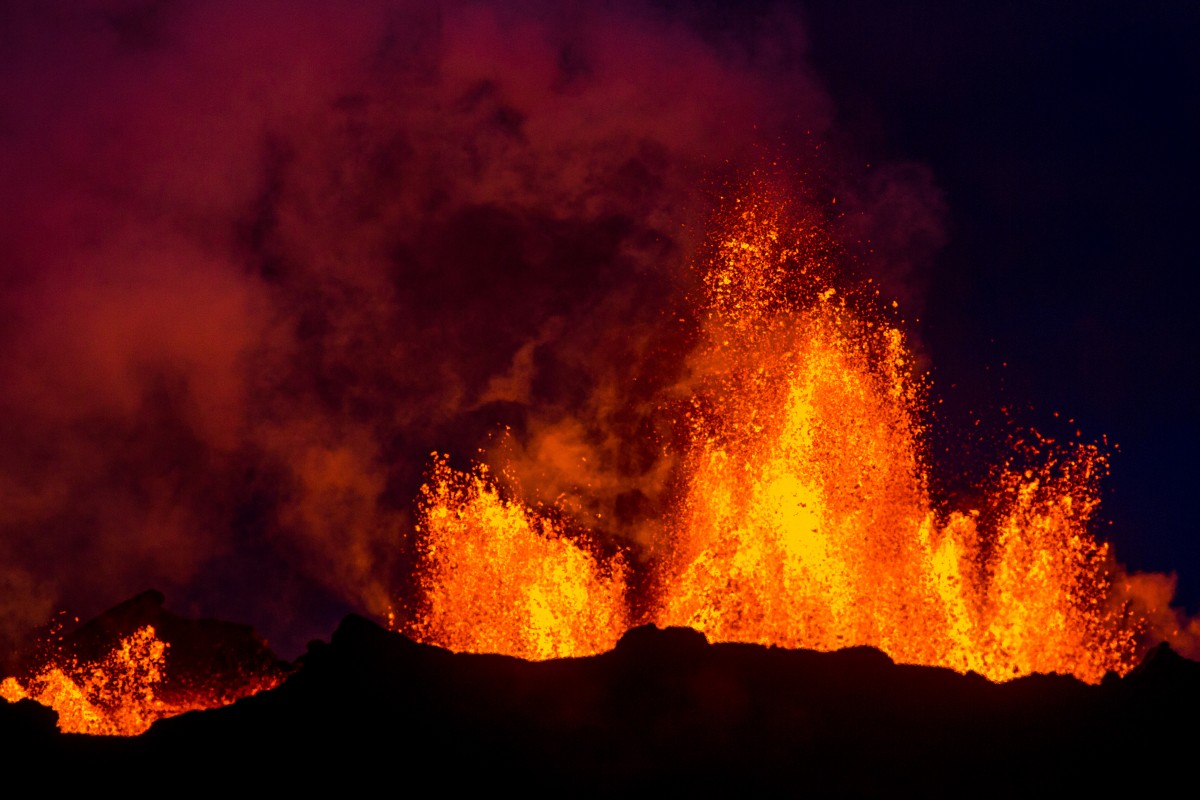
[
  {"x": 115, "y": 697},
  {"x": 499, "y": 577},
  {"x": 805, "y": 518},
  {"x": 118, "y": 696},
  {"x": 124, "y": 691}
]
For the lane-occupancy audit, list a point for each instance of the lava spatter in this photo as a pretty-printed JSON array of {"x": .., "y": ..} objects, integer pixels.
[
  {"x": 806, "y": 519},
  {"x": 499, "y": 577}
]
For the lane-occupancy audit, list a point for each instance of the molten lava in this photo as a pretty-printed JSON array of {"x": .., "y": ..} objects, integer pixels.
[
  {"x": 805, "y": 518},
  {"x": 501, "y": 578},
  {"x": 806, "y": 522},
  {"x": 115, "y": 697},
  {"x": 122, "y": 694}
]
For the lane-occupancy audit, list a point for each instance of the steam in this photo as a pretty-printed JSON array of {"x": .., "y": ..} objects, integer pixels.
[
  {"x": 260, "y": 260},
  {"x": 1148, "y": 596}
]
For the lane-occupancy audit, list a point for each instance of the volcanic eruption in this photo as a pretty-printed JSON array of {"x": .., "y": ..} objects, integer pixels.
[
  {"x": 138, "y": 663},
  {"x": 577, "y": 349},
  {"x": 803, "y": 517}
]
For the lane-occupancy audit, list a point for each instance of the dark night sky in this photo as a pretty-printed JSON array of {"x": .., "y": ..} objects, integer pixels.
[
  {"x": 257, "y": 260},
  {"x": 1065, "y": 138}
]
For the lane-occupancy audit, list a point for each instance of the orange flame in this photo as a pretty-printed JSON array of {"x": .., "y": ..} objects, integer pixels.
[
  {"x": 119, "y": 696},
  {"x": 805, "y": 518},
  {"x": 501, "y": 578}
]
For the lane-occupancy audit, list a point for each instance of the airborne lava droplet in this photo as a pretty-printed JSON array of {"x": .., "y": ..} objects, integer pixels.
[
  {"x": 120, "y": 695},
  {"x": 804, "y": 518},
  {"x": 502, "y": 578}
]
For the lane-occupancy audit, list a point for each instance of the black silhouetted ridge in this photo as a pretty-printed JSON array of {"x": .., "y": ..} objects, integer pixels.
[{"x": 664, "y": 709}]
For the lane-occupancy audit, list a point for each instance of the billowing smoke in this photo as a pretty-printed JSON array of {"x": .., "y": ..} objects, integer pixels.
[{"x": 258, "y": 260}]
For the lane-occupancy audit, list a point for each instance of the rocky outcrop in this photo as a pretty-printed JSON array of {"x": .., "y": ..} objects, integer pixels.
[{"x": 666, "y": 709}]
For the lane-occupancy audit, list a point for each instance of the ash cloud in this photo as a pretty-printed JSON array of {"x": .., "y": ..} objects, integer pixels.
[{"x": 259, "y": 260}]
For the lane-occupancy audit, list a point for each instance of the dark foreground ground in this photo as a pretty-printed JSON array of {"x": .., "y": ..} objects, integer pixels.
[{"x": 664, "y": 711}]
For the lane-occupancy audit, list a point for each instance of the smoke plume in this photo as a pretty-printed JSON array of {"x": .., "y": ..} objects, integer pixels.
[{"x": 259, "y": 260}]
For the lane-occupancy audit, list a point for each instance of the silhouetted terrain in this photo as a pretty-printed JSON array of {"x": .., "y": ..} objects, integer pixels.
[{"x": 664, "y": 709}]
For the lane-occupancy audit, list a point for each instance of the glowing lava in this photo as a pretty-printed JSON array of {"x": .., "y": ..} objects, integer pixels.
[
  {"x": 121, "y": 695},
  {"x": 805, "y": 518},
  {"x": 501, "y": 578},
  {"x": 805, "y": 521}
]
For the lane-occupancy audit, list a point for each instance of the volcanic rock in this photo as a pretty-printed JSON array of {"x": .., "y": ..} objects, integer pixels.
[
  {"x": 26, "y": 726},
  {"x": 667, "y": 710}
]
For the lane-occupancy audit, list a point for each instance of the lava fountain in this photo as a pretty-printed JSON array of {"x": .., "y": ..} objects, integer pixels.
[
  {"x": 804, "y": 517},
  {"x": 114, "y": 697},
  {"x": 138, "y": 663},
  {"x": 501, "y": 577}
]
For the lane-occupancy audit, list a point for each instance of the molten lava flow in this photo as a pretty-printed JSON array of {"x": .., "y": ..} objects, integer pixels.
[
  {"x": 805, "y": 521},
  {"x": 119, "y": 696},
  {"x": 500, "y": 578}
]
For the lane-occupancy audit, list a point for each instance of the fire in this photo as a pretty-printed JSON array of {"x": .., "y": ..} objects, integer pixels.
[
  {"x": 805, "y": 518},
  {"x": 501, "y": 578},
  {"x": 114, "y": 697},
  {"x": 806, "y": 521},
  {"x": 121, "y": 695}
]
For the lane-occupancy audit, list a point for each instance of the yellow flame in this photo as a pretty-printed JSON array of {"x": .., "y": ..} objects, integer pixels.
[
  {"x": 115, "y": 697},
  {"x": 805, "y": 519},
  {"x": 500, "y": 578},
  {"x": 120, "y": 695}
]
